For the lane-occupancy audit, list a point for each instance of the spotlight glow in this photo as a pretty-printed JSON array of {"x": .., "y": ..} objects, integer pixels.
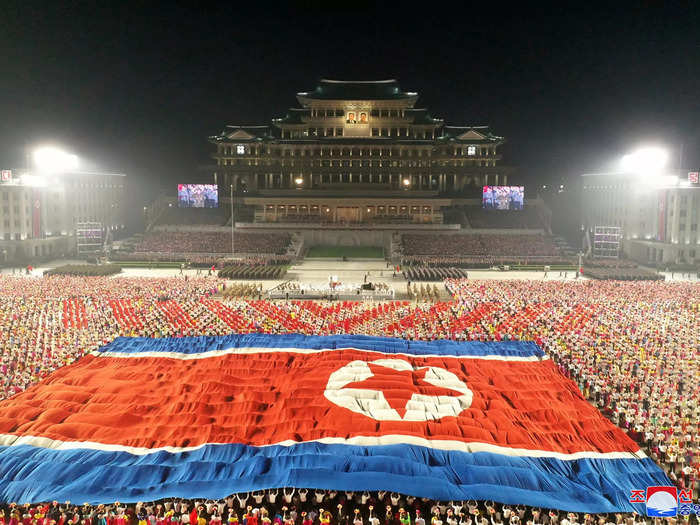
[
  {"x": 645, "y": 161},
  {"x": 54, "y": 160}
]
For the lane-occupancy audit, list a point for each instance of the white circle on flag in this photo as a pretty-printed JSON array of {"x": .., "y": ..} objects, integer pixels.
[{"x": 373, "y": 404}]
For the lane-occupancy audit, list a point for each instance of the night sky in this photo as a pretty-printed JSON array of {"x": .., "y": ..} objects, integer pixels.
[{"x": 138, "y": 88}]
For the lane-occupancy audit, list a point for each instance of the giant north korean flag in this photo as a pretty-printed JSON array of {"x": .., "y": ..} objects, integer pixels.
[{"x": 144, "y": 419}]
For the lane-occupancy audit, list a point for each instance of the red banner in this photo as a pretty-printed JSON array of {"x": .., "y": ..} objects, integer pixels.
[{"x": 36, "y": 214}]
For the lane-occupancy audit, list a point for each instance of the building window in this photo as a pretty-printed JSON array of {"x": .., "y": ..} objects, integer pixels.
[
  {"x": 471, "y": 150},
  {"x": 375, "y": 132},
  {"x": 338, "y": 132}
]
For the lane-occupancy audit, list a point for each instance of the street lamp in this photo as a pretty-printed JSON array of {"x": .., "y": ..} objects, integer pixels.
[
  {"x": 406, "y": 182},
  {"x": 298, "y": 181},
  {"x": 54, "y": 160}
]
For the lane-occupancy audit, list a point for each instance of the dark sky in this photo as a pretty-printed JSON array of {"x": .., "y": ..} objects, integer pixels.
[{"x": 138, "y": 87}]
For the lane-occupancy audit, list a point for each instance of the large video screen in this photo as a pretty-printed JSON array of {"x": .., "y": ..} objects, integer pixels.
[
  {"x": 503, "y": 197},
  {"x": 197, "y": 196}
]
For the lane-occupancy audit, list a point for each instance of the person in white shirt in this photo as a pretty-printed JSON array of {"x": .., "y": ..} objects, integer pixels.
[
  {"x": 419, "y": 518},
  {"x": 395, "y": 498},
  {"x": 258, "y": 496},
  {"x": 319, "y": 494},
  {"x": 287, "y": 494},
  {"x": 272, "y": 495},
  {"x": 365, "y": 497},
  {"x": 302, "y": 495},
  {"x": 242, "y": 500}
]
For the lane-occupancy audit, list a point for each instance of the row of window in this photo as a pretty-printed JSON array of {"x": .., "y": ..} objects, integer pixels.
[
  {"x": 378, "y": 113},
  {"x": 17, "y": 223},
  {"x": 463, "y": 151},
  {"x": 360, "y": 163}
]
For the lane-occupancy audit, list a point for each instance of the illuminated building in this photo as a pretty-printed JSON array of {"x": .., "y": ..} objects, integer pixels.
[
  {"x": 39, "y": 214},
  {"x": 356, "y": 152},
  {"x": 658, "y": 215}
]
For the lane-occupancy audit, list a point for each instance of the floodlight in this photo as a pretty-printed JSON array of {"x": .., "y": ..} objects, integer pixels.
[
  {"x": 54, "y": 160},
  {"x": 645, "y": 161}
]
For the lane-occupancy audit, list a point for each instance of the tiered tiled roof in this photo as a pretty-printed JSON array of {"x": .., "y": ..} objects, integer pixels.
[{"x": 357, "y": 90}]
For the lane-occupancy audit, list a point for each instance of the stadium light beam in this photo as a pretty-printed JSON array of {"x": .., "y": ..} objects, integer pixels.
[
  {"x": 649, "y": 161},
  {"x": 54, "y": 160}
]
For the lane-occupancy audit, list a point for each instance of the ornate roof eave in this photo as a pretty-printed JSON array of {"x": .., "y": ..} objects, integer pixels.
[{"x": 305, "y": 99}]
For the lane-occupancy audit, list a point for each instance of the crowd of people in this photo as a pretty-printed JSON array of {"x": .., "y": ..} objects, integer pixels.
[
  {"x": 631, "y": 347},
  {"x": 212, "y": 242},
  {"x": 470, "y": 245},
  {"x": 302, "y": 506},
  {"x": 482, "y": 261},
  {"x": 527, "y": 218}
]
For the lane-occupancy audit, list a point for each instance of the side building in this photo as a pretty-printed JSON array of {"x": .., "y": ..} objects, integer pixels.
[
  {"x": 42, "y": 216},
  {"x": 657, "y": 216}
]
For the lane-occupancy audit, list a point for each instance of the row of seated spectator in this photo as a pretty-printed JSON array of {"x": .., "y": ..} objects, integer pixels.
[
  {"x": 213, "y": 242},
  {"x": 193, "y": 216},
  {"x": 466, "y": 245},
  {"x": 609, "y": 263},
  {"x": 199, "y": 260},
  {"x": 303, "y": 217},
  {"x": 483, "y": 261},
  {"x": 421, "y": 273},
  {"x": 526, "y": 218},
  {"x": 622, "y": 274}
]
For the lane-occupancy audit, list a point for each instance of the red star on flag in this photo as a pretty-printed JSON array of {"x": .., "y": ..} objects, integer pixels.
[{"x": 398, "y": 386}]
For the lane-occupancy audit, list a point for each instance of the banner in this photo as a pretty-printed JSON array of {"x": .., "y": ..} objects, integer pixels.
[
  {"x": 36, "y": 214},
  {"x": 144, "y": 419}
]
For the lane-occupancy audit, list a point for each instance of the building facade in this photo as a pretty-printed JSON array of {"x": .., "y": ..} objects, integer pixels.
[
  {"x": 658, "y": 216},
  {"x": 40, "y": 215},
  {"x": 363, "y": 140}
]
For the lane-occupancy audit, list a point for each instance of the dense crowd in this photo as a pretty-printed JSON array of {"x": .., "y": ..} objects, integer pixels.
[
  {"x": 483, "y": 261},
  {"x": 302, "y": 506},
  {"x": 516, "y": 219},
  {"x": 466, "y": 245},
  {"x": 174, "y": 215},
  {"x": 631, "y": 347},
  {"x": 213, "y": 242}
]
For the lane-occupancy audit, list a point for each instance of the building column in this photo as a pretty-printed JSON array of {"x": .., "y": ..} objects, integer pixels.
[
  {"x": 496, "y": 177},
  {"x": 486, "y": 179}
]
